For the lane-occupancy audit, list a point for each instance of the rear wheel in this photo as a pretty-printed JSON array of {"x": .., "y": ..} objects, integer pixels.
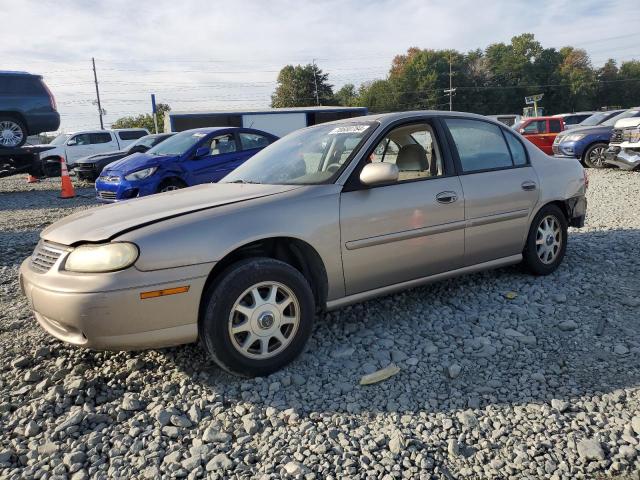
[
  {"x": 595, "y": 155},
  {"x": 13, "y": 132},
  {"x": 257, "y": 317},
  {"x": 170, "y": 185},
  {"x": 546, "y": 242}
]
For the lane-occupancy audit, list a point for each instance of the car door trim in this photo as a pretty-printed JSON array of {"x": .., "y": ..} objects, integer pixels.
[
  {"x": 404, "y": 235},
  {"x": 498, "y": 217},
  {"x": 386, "y": 290}
]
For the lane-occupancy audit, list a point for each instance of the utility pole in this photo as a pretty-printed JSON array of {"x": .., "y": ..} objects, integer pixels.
[
  {"x": 451, "y": 90},
  {"x": 315, "y": 80},
  {"x": 95, "y": 79}
]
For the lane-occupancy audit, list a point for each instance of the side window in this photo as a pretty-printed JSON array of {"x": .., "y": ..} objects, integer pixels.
[
  {"x": 414, "y": 150},
  {"x": 223, "y": 144},
  {"x": 480, "y": 145},
  {"x": 132, "y": 134},
  {"x": 100, "y": 138},
  {"x": 249, "y": 141},
  {"x": 81, "y": 139},
  {"x": 555, "y": 126},
  {"x": 536, "y": 126},
  {"x": 518, "y": 153}
]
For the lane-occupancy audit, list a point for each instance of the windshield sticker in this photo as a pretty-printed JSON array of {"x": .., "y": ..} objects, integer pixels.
[
  {"x": 349, "y": 129},
  {"x": 198, "y": 135}
]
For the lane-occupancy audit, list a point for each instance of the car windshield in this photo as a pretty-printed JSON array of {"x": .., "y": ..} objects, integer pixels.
[
  {"x": 60, "y": 139},
  {"x": 310, "y": 156},
  {"x": 594, "y": 119},
  {"x": 146, "y": 141},
  {"x": 178, "y": 144},
  {"x": 634, "y": 112}
]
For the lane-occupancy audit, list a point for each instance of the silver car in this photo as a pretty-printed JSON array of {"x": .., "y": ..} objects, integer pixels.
[{"x": 327, "y": 216}]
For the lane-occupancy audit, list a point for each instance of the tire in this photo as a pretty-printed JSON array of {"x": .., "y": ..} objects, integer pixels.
[
  {"x": 170, "y": 185},
  {"x": 13, "y": 133},
  {"x": 233, "y": 292},
  {"x": 544, "y": 258},
  {"x": 595, "y": 154}
]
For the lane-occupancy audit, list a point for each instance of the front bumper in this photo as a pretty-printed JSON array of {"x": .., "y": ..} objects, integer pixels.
[
  {"x": 105, "y": 311},
  {"x": 115, "y": 191},
  {"x": 625, "y": 159}
]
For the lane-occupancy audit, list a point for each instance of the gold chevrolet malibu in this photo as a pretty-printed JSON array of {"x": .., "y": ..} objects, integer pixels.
[{"x": 327, "y": 216}]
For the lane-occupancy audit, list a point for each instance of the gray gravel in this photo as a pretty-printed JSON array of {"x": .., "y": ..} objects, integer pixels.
[{"x": 544, "y": 385}]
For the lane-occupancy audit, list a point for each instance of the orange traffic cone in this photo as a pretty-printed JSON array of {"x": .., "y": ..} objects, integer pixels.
[
  {"x": 67, "y": 187},
  {"x": 32, "y": 179}
]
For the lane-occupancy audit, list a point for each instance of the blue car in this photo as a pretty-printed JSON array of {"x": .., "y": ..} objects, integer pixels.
[
  {"x": 588, "y": 143},
  {"x": 201, "y": 155}
]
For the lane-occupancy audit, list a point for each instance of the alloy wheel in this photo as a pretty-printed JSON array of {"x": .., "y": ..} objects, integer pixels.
[
  {"x": 597, "y": 157},
  {"x": 264, "y": 320},
  {"x": 11, "y": 134},
  {"x": 548, "y": 239}
]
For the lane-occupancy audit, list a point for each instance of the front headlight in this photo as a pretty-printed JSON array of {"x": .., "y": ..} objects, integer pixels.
[
  {"x": 107, "y": 257},
  {"x": 573, "y": 137},
  {"x": 141, "y": 174}
]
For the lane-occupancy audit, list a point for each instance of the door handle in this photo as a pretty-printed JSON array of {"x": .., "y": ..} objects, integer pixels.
[
  {"x": 446, "y": 197},
  {"x": 528, "y": 186}
]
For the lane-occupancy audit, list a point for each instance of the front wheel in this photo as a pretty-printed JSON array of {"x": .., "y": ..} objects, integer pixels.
[
  {"x": 257, "y": 317},
  {"x": 171, "y": 185},
  {"x": 546, "y": 242},
  {"x": 595, "y": 155}
]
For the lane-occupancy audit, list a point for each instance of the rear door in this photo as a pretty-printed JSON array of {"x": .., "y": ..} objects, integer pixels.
[
  {"x": 409, "y": 229},
  {"x": 535, "y": 132},
  {"x": 102, "y": 142},
  {"x": 500, "y": 188}
]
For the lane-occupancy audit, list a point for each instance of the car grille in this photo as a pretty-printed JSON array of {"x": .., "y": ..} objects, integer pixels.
[
  {"x": 109, "y": 178},
  {"x": 616, "y": 136},
  {"x": 45, "y": 256},
  {"x": 107, "y": 195}
]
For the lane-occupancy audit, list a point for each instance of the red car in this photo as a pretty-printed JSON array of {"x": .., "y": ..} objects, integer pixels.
[{"x": 541, "y": 131}]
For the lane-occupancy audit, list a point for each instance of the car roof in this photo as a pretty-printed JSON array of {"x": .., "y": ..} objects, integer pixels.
[
  {"x": 586, "y": 112},
  {"x": 386, "y": 118},
  {"x": 208, "y": 130},
  {"x": 18, "y": 73}
]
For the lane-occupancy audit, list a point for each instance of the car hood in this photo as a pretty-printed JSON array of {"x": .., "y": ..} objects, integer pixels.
[
  {"x": 100, "y": 156},
  {"x": 137, "y": 161},
  {"x": 594, "y": 130},
  {"x": 105, "y": 222}
]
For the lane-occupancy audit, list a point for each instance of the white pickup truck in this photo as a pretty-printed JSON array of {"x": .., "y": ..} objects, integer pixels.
[
  {"x": 624, "y": 147},
  {"x": 73, "y": 146}
]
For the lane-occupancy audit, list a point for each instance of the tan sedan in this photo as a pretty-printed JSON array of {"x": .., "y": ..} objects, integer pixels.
[{"x": 327, "y": 216}]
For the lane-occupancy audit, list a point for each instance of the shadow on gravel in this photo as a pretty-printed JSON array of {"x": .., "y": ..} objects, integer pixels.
[
  {"x": 45, "y": 199},
  {"x": 575, "y": 333}
]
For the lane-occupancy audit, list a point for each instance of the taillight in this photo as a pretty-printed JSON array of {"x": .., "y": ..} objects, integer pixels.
[
  {"x": 586, "y": 178},
  {"x": 51, "y": 99}
]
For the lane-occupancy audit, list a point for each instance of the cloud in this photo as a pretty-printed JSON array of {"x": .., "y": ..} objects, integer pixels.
[{"x": 199, "y": 55}]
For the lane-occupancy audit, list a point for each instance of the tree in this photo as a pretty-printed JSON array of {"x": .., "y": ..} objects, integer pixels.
[
  {"x": 347, "y": 95},
  {"x": 297, "y": 87},
  {"x": 144, "y": 120}
]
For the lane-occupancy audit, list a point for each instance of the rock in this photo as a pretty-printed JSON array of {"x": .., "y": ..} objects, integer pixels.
[
  {"x": 250, "y": 426},
  {"x": 590, "y": 449},
  {"x": 74, "y": 418},
  {"x": 211, "y": 435},
  {"x": 21, "y": 362},
  {"x": 510, "y": 332},
  {"x": 560, "y": 298},
  {"x": 628, "y": 452},
  {"x": 397, "y": 444},
  {"x": 453, "y": 448},
  {"x": 341, "y": 353},
  {"x": 74, "y": 458},
  {"x": 559, "y": 405},
  {"x": 131, "y": 404},
  {"x": 220, "y": 463},
  {"x": 32, "y": 429},
  {"x": 635, "y": 424},
  {"x": 454, "y": 370},
  {"x": 173, "y": 457},
  {"x": 298, "y": 379},
  {"x": 294, "y": 468},
  {"x": 163, "y": 417},
  {"x": 567, "y": 325},
  {"x": 467, "y": 418},
  {"x": 380, "y": 375},
  {"x": 180, "y": 421},
  {"x": 620, "y": 349},
  {"x": 32, "y": 376}
]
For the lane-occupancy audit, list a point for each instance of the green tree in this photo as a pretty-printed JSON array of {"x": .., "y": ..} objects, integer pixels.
[
  {"x": 144, "y": 120},
  {"x": 347, "y": 95},
  {"x": 579, "y": 78},
  {"x": 609, "y": 88},
  {"x": 297, "y": 87},
  {"x": 629, "y": 84}
]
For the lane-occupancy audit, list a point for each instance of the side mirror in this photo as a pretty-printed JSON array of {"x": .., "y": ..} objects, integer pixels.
[
  {"x": 379, "y": 173},
  {"x": 521, "y": 131},
  {"x": 72, "y": 142},
  {"x": 202, "y": 152}
]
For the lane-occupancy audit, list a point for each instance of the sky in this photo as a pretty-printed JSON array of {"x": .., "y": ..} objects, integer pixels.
[{"x": 214, "y": 55}]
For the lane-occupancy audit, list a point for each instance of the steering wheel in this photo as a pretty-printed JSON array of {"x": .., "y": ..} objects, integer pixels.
[{"x": 333, "y": 167}]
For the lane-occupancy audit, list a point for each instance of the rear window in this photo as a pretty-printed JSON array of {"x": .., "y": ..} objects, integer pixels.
[
  {"x": 100, "y": 138},
  {"x": 555, "y": 126},
  {"x": 21, "y": 85},
  {"x": 132, "y": 134}
]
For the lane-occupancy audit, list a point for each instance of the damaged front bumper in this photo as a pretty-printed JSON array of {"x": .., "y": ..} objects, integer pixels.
[{"x": 625, "y": 159}]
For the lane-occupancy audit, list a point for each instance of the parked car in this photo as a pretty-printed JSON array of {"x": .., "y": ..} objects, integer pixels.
[
  {"x": 628, "y": 155},
  {"x": 541, "y": 131},
  {"x": 76, "y": 145},
  {"x": 598, "y": 118},
  {"x": 27, "y": 107},
  {"x": 589, "y": 144},
  {"x": 89, "y": 168},
  {"x": 571, "y": 120},
  {"x": 201, "y": 155},
  {"x": 327, "y": 216},
  {"x": 617, "y": 139},
  {"x": 508, "y": 119}
]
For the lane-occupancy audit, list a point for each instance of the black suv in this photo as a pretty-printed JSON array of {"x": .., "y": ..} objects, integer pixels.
[{"x": 27, "y": 107}]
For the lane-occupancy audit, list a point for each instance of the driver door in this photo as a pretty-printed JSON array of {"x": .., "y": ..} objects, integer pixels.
[
  {"x": 410, "y": 229},
  {"x": 222, "y": 158}
]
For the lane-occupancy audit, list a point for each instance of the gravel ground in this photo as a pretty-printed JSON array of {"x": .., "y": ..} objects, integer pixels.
[{"x": 543, "y": 385}]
